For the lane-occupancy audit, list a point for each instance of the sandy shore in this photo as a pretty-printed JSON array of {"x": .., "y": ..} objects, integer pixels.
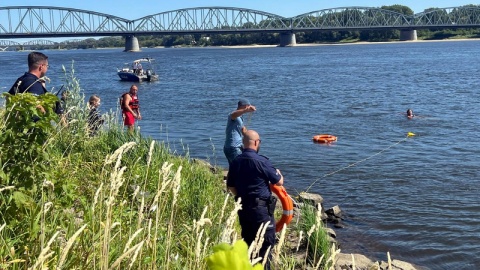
[{"x": 350, "y": 43}]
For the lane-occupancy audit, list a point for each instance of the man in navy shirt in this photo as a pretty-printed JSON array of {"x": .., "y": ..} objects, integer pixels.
[
  {"x": 32, "y": 81},
  {"x": 249, "y": 177}
]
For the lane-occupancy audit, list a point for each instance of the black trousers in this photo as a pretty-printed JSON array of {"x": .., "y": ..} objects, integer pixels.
[{"x": 251, "y": 218}]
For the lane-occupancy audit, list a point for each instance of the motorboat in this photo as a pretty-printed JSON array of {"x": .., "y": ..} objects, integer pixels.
[{"x": 139, "y": 70}]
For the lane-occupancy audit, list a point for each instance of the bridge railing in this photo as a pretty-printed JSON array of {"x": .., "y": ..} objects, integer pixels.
[
  {"x": 210, "y": 19},
  {"x": 25, "y": 21},
  {"x": 449, "y": 17}
]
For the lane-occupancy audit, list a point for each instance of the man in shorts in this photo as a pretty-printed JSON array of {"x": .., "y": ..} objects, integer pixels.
[{"x": 131, "y": 108}]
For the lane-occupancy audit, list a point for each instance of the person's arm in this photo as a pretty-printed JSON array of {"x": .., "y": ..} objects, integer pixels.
[
  {"x": 273, "y": 175},
  {"x": 99, "y": 118},
  {"x": 139, "y": 115},
  {"x": 240, "y": 112},
  {"x": 127, "y": 100},
  {"x": 230, "y": 183}
]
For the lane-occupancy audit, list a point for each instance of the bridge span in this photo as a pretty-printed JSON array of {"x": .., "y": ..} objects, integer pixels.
[{"x": 45, "y": 21}]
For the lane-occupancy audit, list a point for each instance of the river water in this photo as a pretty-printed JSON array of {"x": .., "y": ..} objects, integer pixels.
[{"x": 416, "y": 197}]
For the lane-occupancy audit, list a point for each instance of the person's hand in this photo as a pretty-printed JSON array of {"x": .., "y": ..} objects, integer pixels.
[
  {"x": 250, "y": 108},
  {"x": 244, "y": 130},
  {"x": 139, "y": 117},
  {"x": 135, "y": 115},
  {"x": 280, "y": 182},
  {"x": 41, "y": 109}
]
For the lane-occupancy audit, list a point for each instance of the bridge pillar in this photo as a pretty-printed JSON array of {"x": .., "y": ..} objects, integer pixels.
[
  {"x": 408, "y": 35},
  {"x": 287, "y": 39},
  {"x": 131, "y": 44}
]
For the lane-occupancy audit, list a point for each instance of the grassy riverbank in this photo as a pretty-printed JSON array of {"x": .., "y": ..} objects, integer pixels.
[{"x": 114, "y": 201}]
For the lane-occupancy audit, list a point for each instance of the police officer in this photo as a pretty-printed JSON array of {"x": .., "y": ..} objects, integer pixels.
[
  {"x": 249, "y": 176},
  {"x": 32, "y": 81}
]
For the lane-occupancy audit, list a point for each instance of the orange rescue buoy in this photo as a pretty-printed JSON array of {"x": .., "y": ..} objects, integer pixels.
[
  {"x": 287, "y": 205},
  {"x": 324, "y": 138}
]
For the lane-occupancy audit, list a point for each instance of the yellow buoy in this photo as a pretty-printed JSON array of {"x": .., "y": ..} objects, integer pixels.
[{"x": 410, "y": 134}]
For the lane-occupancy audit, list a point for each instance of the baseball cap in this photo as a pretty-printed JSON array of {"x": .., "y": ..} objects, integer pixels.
[{"x": 243, "y": 102}]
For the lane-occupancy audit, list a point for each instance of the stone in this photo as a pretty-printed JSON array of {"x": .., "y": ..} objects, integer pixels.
[
  {"x": 398, "y": 265},
  {"x": 334, "y": 211},
  {"x": 206, "y": 164},
  {"x": 330, "y": 232},
  {"x": 312, "y": 198},
  {"x": 344, "y": 262}
]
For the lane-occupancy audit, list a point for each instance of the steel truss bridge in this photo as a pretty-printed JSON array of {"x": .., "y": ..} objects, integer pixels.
[
  {"x": 6, "y": 44},
  {"x": 45, "y": 21},
  {"x": 40, "y": 42}
]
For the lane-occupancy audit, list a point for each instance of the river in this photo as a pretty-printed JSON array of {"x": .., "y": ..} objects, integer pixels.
[{"x": 416, "y": 197}]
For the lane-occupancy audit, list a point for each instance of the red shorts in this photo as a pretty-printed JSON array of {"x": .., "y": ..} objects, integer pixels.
[{"x": 128, "y": 119}]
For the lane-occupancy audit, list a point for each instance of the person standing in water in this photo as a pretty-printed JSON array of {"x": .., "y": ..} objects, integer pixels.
[{"x": 130, "y": 108}]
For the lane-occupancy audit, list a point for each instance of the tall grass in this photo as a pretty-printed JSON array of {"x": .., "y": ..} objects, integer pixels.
[
  {"x": 319, "y": 251},
  {"x": 116, "y": 201}
]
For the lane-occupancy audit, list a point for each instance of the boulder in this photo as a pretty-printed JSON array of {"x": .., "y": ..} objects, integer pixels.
[
  {"x": 345, "y": 262},
  {"x": 330, "y": 232},
  {"x": 206, "y": 164},
  {"x": 311, "y": 198},
  {"x": 398, "y": 265},
  {"x": 334, "y": 211}
]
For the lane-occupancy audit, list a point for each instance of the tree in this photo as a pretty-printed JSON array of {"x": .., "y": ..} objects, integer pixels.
[{"x": 399, "y": 9}]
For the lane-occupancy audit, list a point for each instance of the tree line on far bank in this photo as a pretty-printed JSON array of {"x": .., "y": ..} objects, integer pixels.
[{"x": 202, "y": 40}]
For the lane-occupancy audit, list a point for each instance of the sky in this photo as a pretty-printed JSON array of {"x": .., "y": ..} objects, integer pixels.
[{"x": 134, "y": 9}]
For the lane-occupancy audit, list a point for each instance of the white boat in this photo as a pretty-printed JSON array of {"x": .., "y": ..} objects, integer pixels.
[{"x": 139, "y": 70}]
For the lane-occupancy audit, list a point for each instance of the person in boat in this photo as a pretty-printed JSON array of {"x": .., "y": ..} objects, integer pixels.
[
  {"x": 139, "y": 69},
  {"x": 410, "y": 114},
  {"x": 130, "y": 108},
  {"x": 235, "y": 129},
  {"x": 95, "y": 119},
  {"x": 135, "y": 67},
  {"x": 249, "y": 177}
]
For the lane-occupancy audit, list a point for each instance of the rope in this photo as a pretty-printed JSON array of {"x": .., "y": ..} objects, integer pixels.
[
  {"x": 250, "y": 114},
  {"x": 355, "y": 163}
]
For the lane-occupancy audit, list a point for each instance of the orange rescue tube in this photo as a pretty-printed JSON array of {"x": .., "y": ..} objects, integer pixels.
[
  {"x": 287, "y": 205},
  {"x": 324, "y": 138}
]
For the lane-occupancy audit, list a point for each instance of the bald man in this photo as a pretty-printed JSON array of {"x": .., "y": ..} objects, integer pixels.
[
  {"x": 249, "y": 177},
  {"x": 131, "y": 108}
]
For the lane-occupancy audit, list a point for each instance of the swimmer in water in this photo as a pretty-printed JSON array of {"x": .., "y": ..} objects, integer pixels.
[{"x": 410, "y": 114}]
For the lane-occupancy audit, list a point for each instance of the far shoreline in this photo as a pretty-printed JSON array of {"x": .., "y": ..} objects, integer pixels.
[
  {"x": 276, "y": 45},
  {"x": 345, "y": 43}
]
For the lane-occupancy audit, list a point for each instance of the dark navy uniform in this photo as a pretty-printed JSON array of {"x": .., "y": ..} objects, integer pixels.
[
  {"x": 250, "y": 174},
  {"x": 28, "y": 83}
]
